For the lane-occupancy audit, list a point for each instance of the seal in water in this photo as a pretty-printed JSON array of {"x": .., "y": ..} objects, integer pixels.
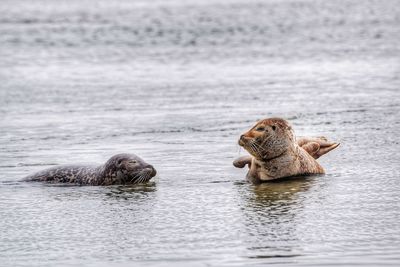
[
  {"x": 119, "y": 169},
  {"x": 275, "y": 153}
]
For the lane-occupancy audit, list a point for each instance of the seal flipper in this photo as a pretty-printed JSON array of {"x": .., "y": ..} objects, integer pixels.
[
  {"x": 317, "y": 150},
  {"x": 308, "y": 144},
  {"x": 325, "y": 149},
  {"x": 242, "y": 161},
  {"x": 312, "y": 148}
]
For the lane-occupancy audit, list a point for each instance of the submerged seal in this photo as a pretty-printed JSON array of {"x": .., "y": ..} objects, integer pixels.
[
  {"x": 119, "y": 169},
  {"x": 275, "y": 153}
]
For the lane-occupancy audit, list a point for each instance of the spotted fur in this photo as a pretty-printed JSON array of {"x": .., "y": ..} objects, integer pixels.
[{"x": 119, "y": 169}]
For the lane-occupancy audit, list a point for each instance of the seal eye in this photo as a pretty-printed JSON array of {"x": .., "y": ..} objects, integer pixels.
[
  {"x": 133, "y": 161},
  {"x": 273, "y": 127},
  {"x": 119, "y": 162},
  {"x": 260, "y": 129}
]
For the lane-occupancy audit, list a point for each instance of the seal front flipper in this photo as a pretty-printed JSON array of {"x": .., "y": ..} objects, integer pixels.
[{"x": 242, "y": 161}]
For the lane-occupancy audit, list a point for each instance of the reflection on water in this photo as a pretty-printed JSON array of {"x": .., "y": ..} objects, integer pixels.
[
  {"x": 279, "y": 192},
  {"x": 133, "y": 191},
  {"x": 177, "y": 82},
  {"x": 269, "y": 212}
]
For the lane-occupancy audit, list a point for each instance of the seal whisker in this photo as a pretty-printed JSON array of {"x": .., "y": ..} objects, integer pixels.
[
  {"x": 251, "y": 145},
  {"x": 137, "y": 176},
  {"x": 256, "y": 148},
  {"x": 260, "y": 148},
  {"x": 146, "y": 177},
  {"x": 137, "y": 181}
]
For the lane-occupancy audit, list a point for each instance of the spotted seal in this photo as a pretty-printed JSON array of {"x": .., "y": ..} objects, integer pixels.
[
  {"x": 275, "y": 152},
  {"x": 119, "y": 169}
]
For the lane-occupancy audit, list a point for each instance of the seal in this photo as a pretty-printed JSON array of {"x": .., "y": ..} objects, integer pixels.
[
  {"x": 275, "y": 152},
  {"x": 119, "y": 169},
  {"x": 315, "y": 146}
]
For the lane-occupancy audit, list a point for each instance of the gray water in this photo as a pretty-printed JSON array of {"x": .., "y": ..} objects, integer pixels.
[{"x": 177, "y": 82}]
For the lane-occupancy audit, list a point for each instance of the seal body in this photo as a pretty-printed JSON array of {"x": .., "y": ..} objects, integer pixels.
[
  {"x": 275, "y": 152},
  {"x": 119, "y": 169}
]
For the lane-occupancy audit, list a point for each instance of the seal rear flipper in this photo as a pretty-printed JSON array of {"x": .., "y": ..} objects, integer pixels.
[
  {"x": 312, "y": 148},
  {"x": 308, "y": 144},
  {"x": 35, "y": 178},
  {"x": 325, "y": 149}
]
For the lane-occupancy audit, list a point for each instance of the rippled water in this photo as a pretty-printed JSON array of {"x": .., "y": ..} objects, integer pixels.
[{"x": 177, "y": 82}]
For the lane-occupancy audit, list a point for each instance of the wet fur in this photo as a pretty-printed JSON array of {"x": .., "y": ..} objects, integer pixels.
[
  {"x": 119, "y": 169},
  {"x": 275, "y": 152}
]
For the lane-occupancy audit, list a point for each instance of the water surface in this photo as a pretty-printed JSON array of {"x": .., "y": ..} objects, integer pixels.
[{"x": 177, "y": 82}]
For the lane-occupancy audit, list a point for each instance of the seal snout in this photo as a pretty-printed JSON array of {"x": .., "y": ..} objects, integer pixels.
[
  {"x": 242, "y": 140},
  {"x": 152, "y": 169}
]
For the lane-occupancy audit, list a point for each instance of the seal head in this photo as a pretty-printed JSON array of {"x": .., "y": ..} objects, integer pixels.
[
  {"x": 268, "y": 139},
  {"x": 127, "y": 169}
]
